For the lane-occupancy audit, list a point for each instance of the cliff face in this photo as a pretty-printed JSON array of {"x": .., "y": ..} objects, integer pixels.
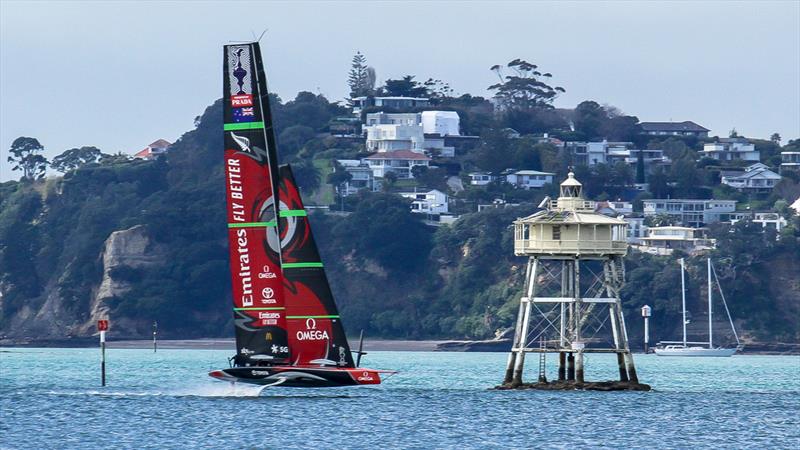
[{"x": 124, "y": 249}]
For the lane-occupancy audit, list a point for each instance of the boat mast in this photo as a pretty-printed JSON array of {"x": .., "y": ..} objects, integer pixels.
[
  {"x": 725, "y": 304},
  {"x": 683, "y": 301},
  {"x": 710, "y": 339}
]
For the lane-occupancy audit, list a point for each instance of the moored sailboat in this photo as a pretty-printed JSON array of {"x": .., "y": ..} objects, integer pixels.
[
  {"x": 288, "y": 329},
  {"x": 688, "y": 348}
]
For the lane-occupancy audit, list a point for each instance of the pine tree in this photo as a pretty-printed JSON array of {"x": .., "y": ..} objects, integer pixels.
[{"x": 359, "y": 76}]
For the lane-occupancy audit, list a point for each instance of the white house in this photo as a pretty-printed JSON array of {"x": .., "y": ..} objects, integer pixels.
[
  {"x": 362, "y": 177},
  {"x": 443, "y": 123},
  {"x": 418, "y": 132},
  {"x": 689, "y": 212},
  {"x": 605, "y": 152},
  {"x": 431, "y": 202},
  {"x": 767, "y": 219},
  {"x": 663, "y": 240},
  {"x": 529, "y": 179},
  {"x": 614, "y": 208},
  {"x": 756, "y": 178},
  {"x": 399, "y": 161},
  {"x": 731, "y": 149},
  {"x": 481, "y": 178},
  {"x": 636, "y": 229}
]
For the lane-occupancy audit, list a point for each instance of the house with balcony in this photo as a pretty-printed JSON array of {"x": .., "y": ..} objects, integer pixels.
[
  {"x": 690, "y": 212},
  {"x": 731, "y": 149},
  {"x": 685, "y": 128},
  {"x": 430, "y": 202},
  {"x": 419, "y": 132},
  {"x": 529, "y": 179},
  {"x": 790, "y": 161},
  {"x": 605, "y": 152},
  {"x": 756, "y": 178},
  {"x": 398, "y": 161},
  {"x": 361, "y": 177},
  {"x": 664, "y": 240}
]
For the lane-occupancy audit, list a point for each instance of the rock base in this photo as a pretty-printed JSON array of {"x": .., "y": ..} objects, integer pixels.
[{"x": 573, "y": 386}]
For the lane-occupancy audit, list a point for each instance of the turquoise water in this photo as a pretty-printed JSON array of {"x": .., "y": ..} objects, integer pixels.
[{"x": 51, "y": 398}]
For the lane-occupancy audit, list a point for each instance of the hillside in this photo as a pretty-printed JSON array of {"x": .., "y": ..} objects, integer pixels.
[{"x": 145, "y": 241}]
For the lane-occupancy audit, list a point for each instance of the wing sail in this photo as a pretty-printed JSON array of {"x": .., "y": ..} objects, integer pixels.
[{"x": 259, "y": 308}]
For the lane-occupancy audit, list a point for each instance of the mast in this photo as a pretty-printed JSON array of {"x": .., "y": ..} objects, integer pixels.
[
  {"x": 710, "y": 338},
  {"x": 725, "y": 304},
  {"x": 683, "y": 300}
]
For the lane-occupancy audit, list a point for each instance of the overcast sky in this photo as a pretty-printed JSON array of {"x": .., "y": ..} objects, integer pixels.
[{"x": 119, "y": 75}]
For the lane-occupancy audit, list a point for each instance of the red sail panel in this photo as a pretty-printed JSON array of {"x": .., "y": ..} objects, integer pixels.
[
  {"x": 250, "y": 161},
  {"x": 316, "y": 335}
]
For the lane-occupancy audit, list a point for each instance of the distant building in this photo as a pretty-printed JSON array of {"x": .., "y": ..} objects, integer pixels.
[
  {"x": 614, "y": 208},
  {"x": 419, "y": 132},
  {"x": 156, "y": 148},
  {"x": 689, "y": 212},
  {"x": 756, "y": 178},
  {"x": 431, "y": 202},
  {"x": 529, "y": 179},
  {"x": 481, "y": 178},
  {"x": 731, "y": 149},
  {"x": 687, "y": 128},
  {"x": 636, "y": 229},
  {"x": 399, "y": 161},
  {"x": 397, "y": 103},
  {"x": 605, "y": 152},
  {"x": 362, "y": 177},
  {"x": 767, "y": 219},
  {"x": 663, "y": 240},
  {"x": 496, "y": 204},
  {"x": 790, "y": 161}
]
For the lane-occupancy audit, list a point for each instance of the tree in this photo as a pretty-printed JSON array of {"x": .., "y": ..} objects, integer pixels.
[
  {"x": 292, "y": 139},
  {"x": 589, "y": 117},
  {"x": 389, "y": 179},
  {"x": 361, "y": 78},
  {"x": 306, "y": 175},
  {"x": 405, "y": 87},
  {"x": 658, "y": 184},
  {"x": 116, "y": 158},
  {"x": 495, "y": 151},
  {"x": 524, "y": 89},
  {"x": 25, "y": 155},
  {"x": 640, "y": 167},
  {"x": 775, "y": 138},
  {"x": 75, "y": 158}
]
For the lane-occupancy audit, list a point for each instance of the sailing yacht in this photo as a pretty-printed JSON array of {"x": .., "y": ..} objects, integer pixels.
[
  {"x": 288, "y": 329},
  {"x": 687, "y": 348}
]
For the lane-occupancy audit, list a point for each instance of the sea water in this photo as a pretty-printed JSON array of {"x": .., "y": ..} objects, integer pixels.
[{"x": 51, "y": 398}]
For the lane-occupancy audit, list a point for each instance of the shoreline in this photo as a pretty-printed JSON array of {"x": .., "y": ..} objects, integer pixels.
[{"x": 380, "y": 345}]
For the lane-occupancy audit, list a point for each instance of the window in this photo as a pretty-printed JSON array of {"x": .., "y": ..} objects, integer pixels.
[{"x": 556, "y": 233}]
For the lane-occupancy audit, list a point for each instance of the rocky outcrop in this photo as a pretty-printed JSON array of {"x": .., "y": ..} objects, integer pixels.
[{"x": 131, "y": 248}]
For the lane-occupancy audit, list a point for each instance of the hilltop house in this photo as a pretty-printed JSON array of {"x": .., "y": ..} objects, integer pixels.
[
  {"x": 156, "y": 148},
  {"x": 419, "y": 132},
  {"x": 731, "y": 149},
  {"x": 686, "y": 128},
  {"x": 693, "y": 213},
  {"x": 767, "y": 219},
  {"x": 399, "y": 161},
  {"x": 756, "y": 178},
  {"x": 362, "y": 177},
  {"x": 529, "y": 179},
  {"x": 431, "y": 202},
  {"x": 605, "y": 152},
  {"x": 397, "y": 103}
]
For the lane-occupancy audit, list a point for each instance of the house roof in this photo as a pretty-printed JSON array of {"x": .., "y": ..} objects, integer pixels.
[
  {"x": 399, "y": 154},
  {"x": 531, "y": 172},
  {"x": 161, "y": 143},
  {"x": 144, "y": 153},
  {"x": 756, "y": 173},
  {"x": 562, "y": 217},
  {"x": 687, "y": 125}
]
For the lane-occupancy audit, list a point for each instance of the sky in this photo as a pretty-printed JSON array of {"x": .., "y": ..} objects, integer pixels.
[{"x": 118, "y": 75}]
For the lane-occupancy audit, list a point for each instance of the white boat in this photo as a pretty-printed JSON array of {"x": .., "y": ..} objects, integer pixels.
[{"x": 687, "y": 348}]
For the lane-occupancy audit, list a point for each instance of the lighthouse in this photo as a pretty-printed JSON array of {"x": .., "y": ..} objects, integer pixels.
[{"x": 571, "y": 303}]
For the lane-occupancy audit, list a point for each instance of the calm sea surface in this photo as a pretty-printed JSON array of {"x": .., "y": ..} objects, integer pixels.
[{"x": 51, "y": 398}]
